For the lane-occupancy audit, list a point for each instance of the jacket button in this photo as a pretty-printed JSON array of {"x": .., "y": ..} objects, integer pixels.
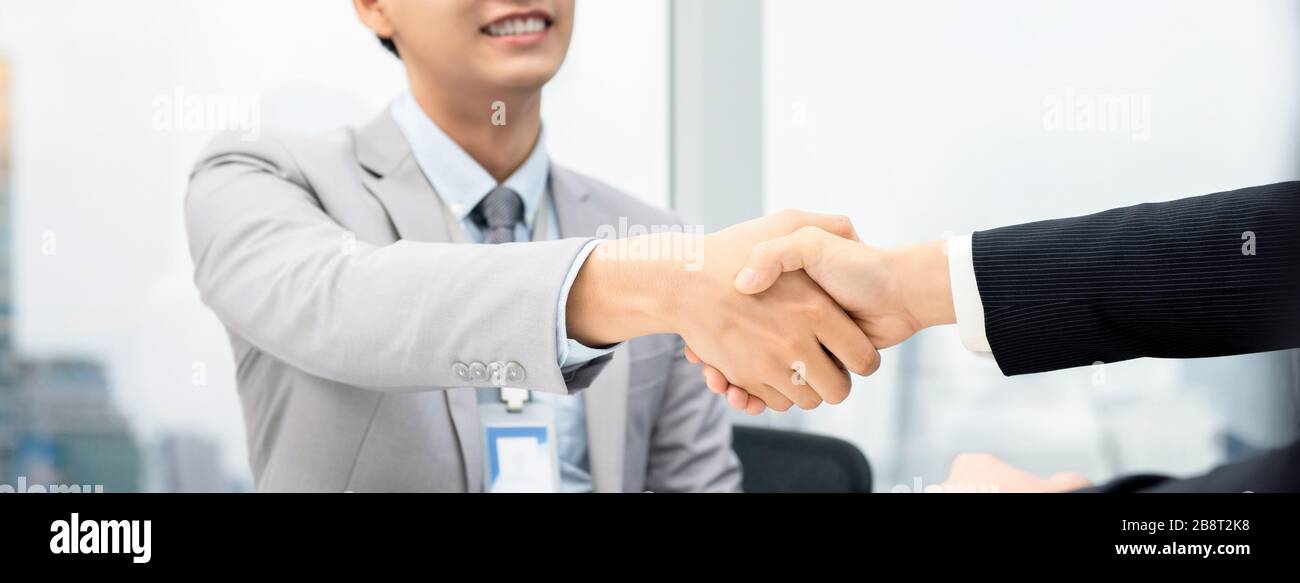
[
  {"x": 478, "y": 372},
  {"x": 497, "y": 373},
  {"x": 461, "y": 370},
  {"x": 515, "y": 372}
]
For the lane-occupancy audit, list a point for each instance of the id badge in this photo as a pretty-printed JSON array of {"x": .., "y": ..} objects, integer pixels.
[{"x": 519, "y": 452}]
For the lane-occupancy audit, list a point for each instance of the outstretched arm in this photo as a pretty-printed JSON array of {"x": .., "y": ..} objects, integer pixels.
[
  {"x": 281, "y": 273},
  {"x": 1206, "y": 276}
]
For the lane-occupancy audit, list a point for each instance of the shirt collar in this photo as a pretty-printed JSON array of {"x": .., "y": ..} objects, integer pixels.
[{"x": 456, "y": 177}]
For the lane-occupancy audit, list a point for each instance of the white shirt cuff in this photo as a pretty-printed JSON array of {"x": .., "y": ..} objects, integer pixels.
[
  {"x": 966, "y": 295},
  {"x": 571, "y": 353}
]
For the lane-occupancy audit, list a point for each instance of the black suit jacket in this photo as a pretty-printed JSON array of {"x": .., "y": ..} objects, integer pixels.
[{"x": 1211, "y": 275}]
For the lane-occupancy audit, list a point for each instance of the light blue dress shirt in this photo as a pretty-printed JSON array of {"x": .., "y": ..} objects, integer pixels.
[{"x": 461, "y": 183}]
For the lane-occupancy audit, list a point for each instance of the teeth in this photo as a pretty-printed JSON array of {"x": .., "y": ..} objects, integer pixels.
[{"x": 516, "y": 26}]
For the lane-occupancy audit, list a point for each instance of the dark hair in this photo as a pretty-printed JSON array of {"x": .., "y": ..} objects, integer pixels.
[{"x": 388, "y": 44}]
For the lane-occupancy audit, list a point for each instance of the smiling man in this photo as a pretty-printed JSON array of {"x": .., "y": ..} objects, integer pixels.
[{"x": 417, "y": 304}]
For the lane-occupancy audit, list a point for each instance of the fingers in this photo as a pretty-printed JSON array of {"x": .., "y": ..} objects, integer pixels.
[
  {"x": 714, "y": 380},
  {"x": 802, "y": 395},
  {"x": 691, "y": 357},
  {"x": 846, "y": 341},
  {"x": 766, "y": 395},
  {"x": 828, "y": 381},
  {"x": 838, "y": 225},
  {"x": 738, "y": 398},
  {"x": 743, "y": 401},
  {"x": 776, "y": 399},
  {"x": 816, "y": 377},
  {"x": 770, "y": 259}
]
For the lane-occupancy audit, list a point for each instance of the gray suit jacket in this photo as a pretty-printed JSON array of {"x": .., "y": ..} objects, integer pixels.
[{"x": 347, "y": 306}]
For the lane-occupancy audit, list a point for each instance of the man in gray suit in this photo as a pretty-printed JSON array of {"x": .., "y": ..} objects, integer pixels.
[{"x": 396, "y": 293}]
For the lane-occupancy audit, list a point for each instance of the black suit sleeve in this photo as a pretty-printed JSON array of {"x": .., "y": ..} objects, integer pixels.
[{"x": 1211, "y": 275}]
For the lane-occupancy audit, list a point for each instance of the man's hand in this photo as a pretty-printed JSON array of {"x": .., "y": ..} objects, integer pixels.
[
  {"x": 983, "y": 473},
  {"x": 891, "y": 294},
  {"x": 775, "y": 344}
]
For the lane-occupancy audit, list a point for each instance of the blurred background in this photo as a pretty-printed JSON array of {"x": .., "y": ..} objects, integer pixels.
[{"x": 917, "y": 118}]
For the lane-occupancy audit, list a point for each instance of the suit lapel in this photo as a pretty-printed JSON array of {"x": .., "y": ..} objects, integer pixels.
[
  {"x": 606, "y": 398},
  {"x": 573, "y": 210},
  {"x": 396, "y": 180},
  {"x": 401, "y": 187}
]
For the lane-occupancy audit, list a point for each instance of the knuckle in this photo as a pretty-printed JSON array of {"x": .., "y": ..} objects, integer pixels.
[
  {"x": 786, "y": 345},
  {"x": 819, "y": 309},
  {"x": 780, "y": 405},
  {"x": 843, "y": 225},
  {"x": 810, "y": 239},
  {"x": 839, "y": 390},
  {"x": 805, "y": 310},
  {"x": 859, "y": 361},
  {"x": 809, "y": 402}
]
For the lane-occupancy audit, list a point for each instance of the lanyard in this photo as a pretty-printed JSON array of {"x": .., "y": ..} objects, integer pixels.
[{"x": 514, "y": 398}]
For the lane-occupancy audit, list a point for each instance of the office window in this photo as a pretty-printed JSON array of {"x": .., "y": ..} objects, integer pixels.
[
  {"x": 925, "y": 118},
  {"x": 101, "y": 274}
]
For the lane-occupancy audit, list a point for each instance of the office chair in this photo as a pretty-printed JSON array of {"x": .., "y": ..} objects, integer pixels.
[{"x": 789, "y": 461}]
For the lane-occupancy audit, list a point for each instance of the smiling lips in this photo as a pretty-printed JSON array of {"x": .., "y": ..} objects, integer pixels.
[{"x": 519, "y": 29}]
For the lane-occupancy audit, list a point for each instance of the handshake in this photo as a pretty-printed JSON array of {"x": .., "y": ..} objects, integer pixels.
[{"x": 778, "y": 309}]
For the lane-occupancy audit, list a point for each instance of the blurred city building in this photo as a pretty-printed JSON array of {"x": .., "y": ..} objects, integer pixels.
[
  {"x": 69, "y": 430},
  {"x": 192, "y": 463},
  {"x": 8, "y": 383},
  {"x": 58, "y": 422}
]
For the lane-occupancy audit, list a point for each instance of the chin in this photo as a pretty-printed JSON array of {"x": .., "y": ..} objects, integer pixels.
[{"x": 526, "y": 78}]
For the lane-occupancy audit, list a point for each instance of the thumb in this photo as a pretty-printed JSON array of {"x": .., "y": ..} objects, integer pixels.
[{"x": 771, "y": 258}]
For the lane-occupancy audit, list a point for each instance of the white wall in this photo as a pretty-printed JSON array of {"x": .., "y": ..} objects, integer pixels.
[
  {"x": 924, "y": 117},
  {"x": 93, "y": 171}
]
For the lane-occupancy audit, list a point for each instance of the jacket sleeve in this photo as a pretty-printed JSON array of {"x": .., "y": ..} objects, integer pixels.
[
  {"x": 282, "y": 274},
  {"x": 1206, "y": 276}
]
